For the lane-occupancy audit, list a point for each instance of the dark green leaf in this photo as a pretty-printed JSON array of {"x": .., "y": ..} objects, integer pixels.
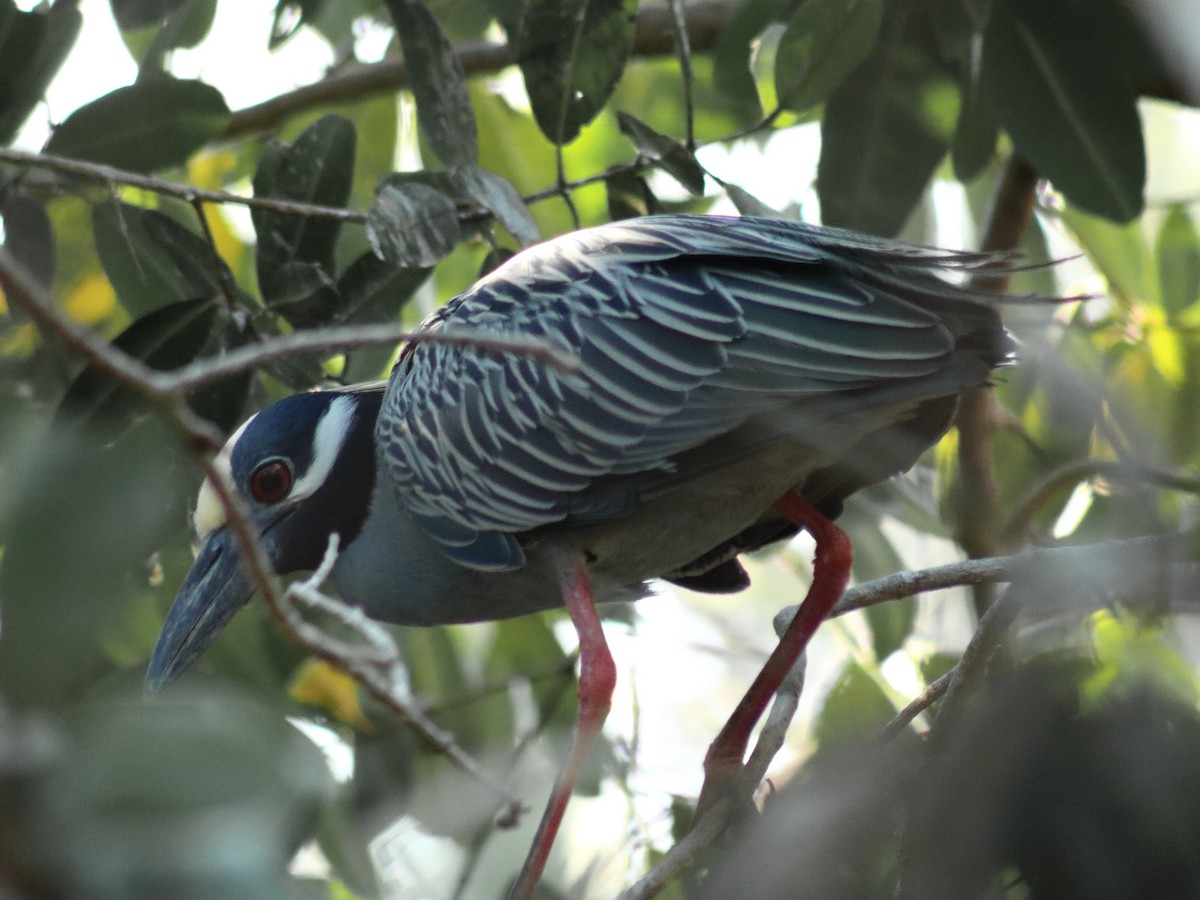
[
  {"x": 412, "y": 224},
  {"x": 143, "y": 778},
  {"x": 509, "y": 14},
  {"x": 33, "y": 46},
  {"x": 823, "y": 43},
  {"x": 304, "y": 294},
  {"x": 1178, "y": 252},
  {"x": 498, "y": 195},
  {"x": 151, "y": 259},
  {"x": 855, "y": 709},
  {"x": 438, "y": 83},
  {"x": 133, "y": 14},
  {"x": 731, "y": 57},
  {"x": 572, "y": 54},
  {"x": 975, "y": 135},
  {"x": 82, "y": 519},
  {"x": 150, "y": 125},
  {"x": 874, "y": 557},
  {"x": 28, "y": 236},
  {"x": 166, "y": 338},
  {"x": 526, "y": 647},
  {"x": 884, "y": 132},
  {"x": 375, "y": 291},
  {"x": 957, "y": 25},
  {"x": 629, "y": 196},
  {"x": 317, "y": 169},
  {"x": 749, "y": 205},
  {"x": 668, "y": 152},
  {"x": 1048, "y": 74},
  {"x": 186, "y": 26}
]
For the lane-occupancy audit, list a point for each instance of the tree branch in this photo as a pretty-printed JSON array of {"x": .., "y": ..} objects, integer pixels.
[
  {"x": 186, "y": 192},
  {"x": 978, "y": 414},
  {"x": 653, "y": 37}
]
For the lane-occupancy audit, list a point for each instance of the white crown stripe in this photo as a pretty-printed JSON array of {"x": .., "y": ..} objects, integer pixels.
[{"x": 330, "y": 435}]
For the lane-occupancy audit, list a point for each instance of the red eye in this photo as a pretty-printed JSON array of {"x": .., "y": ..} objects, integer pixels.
[{"x": 271, "y": 482}]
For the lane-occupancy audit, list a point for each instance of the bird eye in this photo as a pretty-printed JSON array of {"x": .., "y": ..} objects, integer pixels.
[{"x": 271, "y": 482}]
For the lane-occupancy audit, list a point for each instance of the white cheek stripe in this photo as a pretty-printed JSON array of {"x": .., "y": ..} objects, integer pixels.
[
  {"x": 210, "y": 514},
  {"x": 328, "y": 439}
]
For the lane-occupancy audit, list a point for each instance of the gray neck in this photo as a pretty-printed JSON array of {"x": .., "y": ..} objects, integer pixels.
[{"x": 396, "y": 573}]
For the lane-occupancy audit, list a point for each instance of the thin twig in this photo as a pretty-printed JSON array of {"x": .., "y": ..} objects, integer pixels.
[
  {"x": 1020, "y": 523},
  {"x": 348, "y": 337},
  {"x": 985, "y": 641},
  {"x": 111, "y": 175},
  {"x": 685, "y": 852},
  {"x": 919, "y": 704},
  {"x": 683, "y": 49},
  {"x": 374, "y": 662}
]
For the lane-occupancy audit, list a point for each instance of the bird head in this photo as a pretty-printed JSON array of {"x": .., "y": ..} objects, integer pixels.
[{"x": 304, "y": 468}]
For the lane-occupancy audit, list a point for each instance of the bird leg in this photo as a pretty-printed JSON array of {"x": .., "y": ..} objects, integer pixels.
[
  {"x": 597, "y": 678},
  {"x": 831, "y": 572}
]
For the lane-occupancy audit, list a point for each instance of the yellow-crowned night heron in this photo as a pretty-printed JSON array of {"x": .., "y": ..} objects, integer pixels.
[{"x": 738, "y": 379}]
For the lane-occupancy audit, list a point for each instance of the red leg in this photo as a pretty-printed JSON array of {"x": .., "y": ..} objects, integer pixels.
[
  {"x": 597, "y": 678},
  {"x": 831, "y": 572}
]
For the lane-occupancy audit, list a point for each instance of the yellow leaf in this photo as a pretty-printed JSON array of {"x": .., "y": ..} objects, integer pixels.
[
  {"x": 92, "y": 301},
  {"x": 320, "y": 684}
]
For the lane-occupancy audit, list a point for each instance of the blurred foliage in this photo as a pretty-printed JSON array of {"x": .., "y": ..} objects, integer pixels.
[{"x": 1071, "y": 770}]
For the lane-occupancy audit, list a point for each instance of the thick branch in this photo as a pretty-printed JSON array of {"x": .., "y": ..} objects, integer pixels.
[{"x": 978, "y": 414}]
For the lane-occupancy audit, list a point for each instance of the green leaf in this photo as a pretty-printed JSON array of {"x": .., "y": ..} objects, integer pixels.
[
  {"x": 855, "y": 709},
  {"x": 629, "y": 196},
  {"x": 1048, "y": 74},
  {"x": 185, "y": 26},
  {"x": 976, "y": 132},
  {"x": 572, "y": 54},
  {"x": 375, "y": 291},
  {"x": 150, "y": 259},
  {"x": 1120, "y": 252},
  {"x": 165, "y": 338},
  {"x": 317, "y": 169},
  {"x": 412, "y": 224},
  {"x": 674, "y": 158},
  {"x": 438, "y": 83},
  {"x": 526, "y": 647},
  {"x": 142, "y": 778},
  {"x": 498, "y": 195},
  {"x": 749, "y": 205},
  {"x": 147, "y": 126},
  {"x": 29, "y": 236},
  {"x": 823, "y": 43},
  {"x": 508, "y": 13},
  {"x": 884, "y": 132},
  {"x": 1178, "y": 250},
  {"x": 33, "y": 47},
  {"x": 732, "y": 75},
  {"x": 304, "y": 293},
  {"x": 131, "y": 15},
  {"x": 80, "y": 522},
  {"x": 874, "y": 557}
]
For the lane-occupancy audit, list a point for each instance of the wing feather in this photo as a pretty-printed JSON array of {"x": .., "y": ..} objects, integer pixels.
[{"x": 685, "y": 327}]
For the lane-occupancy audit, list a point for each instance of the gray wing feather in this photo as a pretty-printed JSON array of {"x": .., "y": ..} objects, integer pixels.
[{"x": 684, "y": 327}]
